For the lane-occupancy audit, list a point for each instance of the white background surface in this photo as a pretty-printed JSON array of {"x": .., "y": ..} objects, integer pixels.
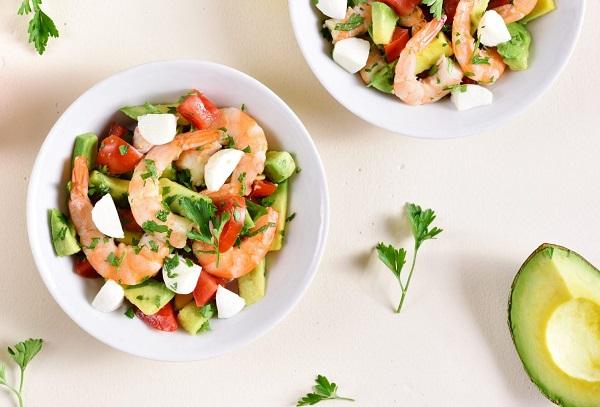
[{"x": 498, "y": 195}]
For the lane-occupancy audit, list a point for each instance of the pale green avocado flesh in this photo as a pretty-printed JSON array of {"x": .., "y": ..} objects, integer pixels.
[{"x": 554, "y": 318}]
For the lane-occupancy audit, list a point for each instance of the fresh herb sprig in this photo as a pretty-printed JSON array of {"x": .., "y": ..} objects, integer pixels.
[
  {"x": 322, "y": 390},
  {"x": 41, "y": 27},
  {"x": 436, "y": 7},
  {"x": 22, "y": 353},
  {"x": 395, "y": 259}
]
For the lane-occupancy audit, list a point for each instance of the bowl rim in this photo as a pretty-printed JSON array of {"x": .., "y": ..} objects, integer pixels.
[
  {"x": 472, "y": 130},
  {"x": 35, "y": 238}
]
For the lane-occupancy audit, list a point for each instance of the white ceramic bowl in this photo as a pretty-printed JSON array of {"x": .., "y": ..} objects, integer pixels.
[
  {"x": 290, "y": 272},
  {"x": 554, "y": 37}
]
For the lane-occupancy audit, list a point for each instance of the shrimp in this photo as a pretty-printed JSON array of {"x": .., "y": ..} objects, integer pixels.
[
  {"x": 140, "y": 143},
  {"x": 363, "y": 10},
  {"x": 241, "y": 129},
  {"x": 195, "y": 160},
  {"x": 241, "y": 260},
  {"x": 120, "y": 263},
  {"x": 516, "y": 10},
  {"x": 415, "y": 91},
  {"x": 145, "y": 196},
  {"x": 415, "y": 20},
  {"x": 481, "y": 65},
  {"x": 375, "y": 62}
]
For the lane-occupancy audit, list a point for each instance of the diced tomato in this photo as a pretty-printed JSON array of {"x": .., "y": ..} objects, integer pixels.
[
  {"x": 128, "y": 221},
  {"x": 468, "y": 81},
  {"x": 260, "y": 189},
  {"x": 118, "y": 155},
  {"x": 235, "y": 205},
  {"x": 497, "y": 3},
  {"x": 163, "y": 320},
  {"x": 402, "y": 7},
  {"x": 399, "y": 40},
  {"x": 198, "y": 110},
  {"x": 117, "y": 130},
  {"x": 84, "y": 268},
  {"x": 450, "y": 9},
  {"x": 206, "y": 287}
]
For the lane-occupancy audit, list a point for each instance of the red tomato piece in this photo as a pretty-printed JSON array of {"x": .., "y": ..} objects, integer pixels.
[
  {"x": 206, "y": 287},
  {"x": 497, "y": 3},
  {"x": 260, "y": 189},
  {"x": 118, "y": 155},
  {"x": 399, "y": 40},
  {"x": 236, "y": 207},
  {"x": 117, "y": 130},
  {"x": 84, "y": 268},
  {"x": 402, "y": 7},
  {"x": 128, "y": 221},
  {"x": 163, "y": 320},
  {"x": 198, "y": 110},
  {"x": 450, "y": 9}
]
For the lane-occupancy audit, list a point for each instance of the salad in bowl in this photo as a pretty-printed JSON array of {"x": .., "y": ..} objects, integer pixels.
[
  {"x": 422, "y": 51},
  {"x": 176, "y": 212}
]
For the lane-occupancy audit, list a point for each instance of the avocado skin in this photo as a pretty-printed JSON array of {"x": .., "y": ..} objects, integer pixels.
[
  {"x": 550, "y": 247},
  {"x": 279, "y": 166},
  {"x": 86, "y": 145},
  {"x": 68, "y": 245}
]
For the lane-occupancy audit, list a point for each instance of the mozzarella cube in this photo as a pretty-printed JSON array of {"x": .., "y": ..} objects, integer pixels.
[
  {"x": 351, "y": 54},
  {"x": 228, "y": 303},
  {"x": 469, "y": 96},
  {"x": 106, "y": 218},
  {"x": 159, "y": 128},
  {"x": 219, "y": 167},
  {"x": 109, "y": 298},
  {"x": 180, "y": 275},
  {"x": 492, "y": 29},
  {"x": 333, "y": 8}
]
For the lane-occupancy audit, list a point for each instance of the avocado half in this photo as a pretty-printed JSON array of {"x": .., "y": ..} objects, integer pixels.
[{"x": 554, "y": 320}]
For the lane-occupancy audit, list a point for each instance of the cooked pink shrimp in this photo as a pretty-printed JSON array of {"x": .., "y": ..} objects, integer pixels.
[
  {"x": 195, "y": 160},
  {"x": 247, "y": 135},
  {"x": 363, "y": 10},
  {"x": 415, "y": 20},
  {"x": 414, "y": 91},
  {"x": 516, "y": 10},
  {"x": 241, "y": 260},
  {"x": 120, "y": 263},
  {"x": 145, "y": 196},
  {"x": 488, "y": 65}
]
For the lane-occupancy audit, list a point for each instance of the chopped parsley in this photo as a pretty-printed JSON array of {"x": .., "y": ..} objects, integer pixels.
[
  {"x": 123, "y": 149},
  {"x": 114, "y": 260},
  {"x": 153, "y": 246},
  {"x": 242, "y": 180},
  {"x": 354, "y": 21},
  {"x": 95, "y": 241},
  {"x": 162, "y": 215},
  {"x": 151, "y": 226},
  {"x": 151, "y": 171},
  {"x": 130, "y": 313}
]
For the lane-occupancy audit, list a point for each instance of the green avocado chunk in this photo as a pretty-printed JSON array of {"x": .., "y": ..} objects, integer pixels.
[
  {"x": 64, "y": 238},
  {"x": 149, "y": 296},
  {"x": 280, "y": 204},
  {"x": 384, "y": 22},
  {"x": 135, "y": 111},
  {"x": 554, "y": 319},
  {"x": 171, "y": 191},
  {"x": 86, "y": 145},
  {"x": 103, "y": 184},
  {"x": 383, "y": 78},
  {"x": 252, "y": 285},
  {"x": 515, "y": 52},
  {"x": 279, "y": 166},
  {"x": 194, "y": 319}
]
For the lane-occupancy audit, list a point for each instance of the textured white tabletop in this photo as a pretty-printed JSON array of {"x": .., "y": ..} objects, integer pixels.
[{"x": 498, "y": 195}]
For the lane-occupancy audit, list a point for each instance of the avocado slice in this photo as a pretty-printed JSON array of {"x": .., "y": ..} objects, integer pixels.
[
  {"x": 431, "y": 54},
  {"x": 148, "y": 108},
  {"x": 64, "y": 238},
  {"x": 194, "y": 319},
  {"x": 86, "y": 145},
  {"x": 149, "y": 296},
  {"x": 172, "y": 190},
  {"x": 479, "y": 9},
  {"x": 280, "y": 204},
  {"x": 279, "y": 166},
  {"x": 541, "y": 8},
  {"x": 169, "y": 173},
  {"x": 384, "y": 22},
  {"x": 252, "y": 285},
  {"x": 554, "y": 319},
  {"x": 103, "y": 184}
]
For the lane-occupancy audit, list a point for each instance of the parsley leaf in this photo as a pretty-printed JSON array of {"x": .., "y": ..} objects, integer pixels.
[
  {"x": 242, "y": 180},
  {"x": 130, "y": 313},
  {"x": 123, "y": 148},
  {"x": 151, "y": 171},
  {"x": 322, "y": 390},
  {"x": 162, "y": 215},
  {"x": 353, "y": 22},
  {"x": 114, "y": 260},
  {"x": 41, "y": 27},
  {"x": 199, "y": 211},
  {"x": 395, "y": 259},
  {"x": 435, "y": 7},
  {"x": 170, "y": 264},
  {"x": 151, "y": 226},
  {"x": 22, "y": 353}
]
